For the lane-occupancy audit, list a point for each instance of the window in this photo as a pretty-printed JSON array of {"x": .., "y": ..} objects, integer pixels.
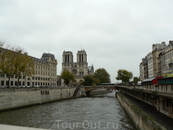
[{"x": 171, "y": 87}]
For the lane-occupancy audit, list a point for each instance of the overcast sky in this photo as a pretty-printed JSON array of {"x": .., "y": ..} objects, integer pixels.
[{"x": 116, "y": 34}]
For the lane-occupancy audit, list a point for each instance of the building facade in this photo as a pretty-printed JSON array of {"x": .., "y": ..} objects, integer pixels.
[
  {"x": 156, "y": 50},
  {"x": 151, "y": 64},
  {"x": 45, "y": 73},
  {"x": 141, "y": 71},
  {"x": 79, "y": 68},
  {"x": 166, "y": 58}
]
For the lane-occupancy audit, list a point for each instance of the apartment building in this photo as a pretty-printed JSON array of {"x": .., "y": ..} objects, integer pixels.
[
  {"x": 152, "y": 62},
  {"x": 156, "y": 50},
  {"x": 144, "y": 69},
  {"x": 150, "y": 65},
  {"x": 166, "y": 62}
]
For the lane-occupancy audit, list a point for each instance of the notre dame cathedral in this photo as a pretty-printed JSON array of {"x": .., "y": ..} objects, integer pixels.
[{"x": 79, "y": 68}]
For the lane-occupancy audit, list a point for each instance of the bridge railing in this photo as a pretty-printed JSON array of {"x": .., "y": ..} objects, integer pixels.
[{"x": 162, "y": 89}]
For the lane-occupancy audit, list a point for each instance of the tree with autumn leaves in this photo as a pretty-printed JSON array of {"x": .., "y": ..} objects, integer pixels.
[{"x": 15, "y": 62}]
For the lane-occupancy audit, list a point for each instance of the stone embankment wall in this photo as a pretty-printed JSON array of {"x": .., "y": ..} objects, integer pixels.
[
  {"x": 16, "y": 98},
  {"x": 140, "y": 119}
]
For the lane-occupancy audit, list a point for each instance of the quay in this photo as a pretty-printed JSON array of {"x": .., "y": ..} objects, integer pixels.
[
  {"x": 158, "y": 98},
  {"x": 151, "y": 111},
  {"x": 11, "y": 127}
]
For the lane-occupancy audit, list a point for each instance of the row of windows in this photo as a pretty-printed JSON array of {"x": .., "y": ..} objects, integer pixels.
[
  {"x": 46, "y": 73},
  {"x": 12, "y": 76},
  {"x": 33, "y": 78},
  {"x": 46, "y": 68},
  {"x": 169, "y": 55},
  {"x": 41, "y": 62},
  {"x": 3, "y": 83}
]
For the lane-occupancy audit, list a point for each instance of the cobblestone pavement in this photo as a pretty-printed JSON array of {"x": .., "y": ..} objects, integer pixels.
[{"x": 151, "y": 111}]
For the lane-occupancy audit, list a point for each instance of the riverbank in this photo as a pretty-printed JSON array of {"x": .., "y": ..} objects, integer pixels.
[
  {"x": 14, "y": 98},
  {"x": 162, "y": 119},
  {"x": 12, "y": 127},
  {"x": 19, "y": 98},
  {"x": 141, "y": 120}
]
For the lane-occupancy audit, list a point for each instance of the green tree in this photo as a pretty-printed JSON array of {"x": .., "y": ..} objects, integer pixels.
[
  {"x": 88, "y": 80},
  {"x": 135, "y": 80},
  {"x": 124, "y": 75},
  {"x": 96, "y": 81},
  {"x": 102, "y": 75},
  {"x": 67, "y": 76}
]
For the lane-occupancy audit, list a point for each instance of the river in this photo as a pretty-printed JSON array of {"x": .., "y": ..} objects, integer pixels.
[{"x": 101, "y": 112}]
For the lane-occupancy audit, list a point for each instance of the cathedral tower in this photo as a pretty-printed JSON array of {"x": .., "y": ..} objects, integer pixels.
[
  {"x": 82, "y": 65},
  {"x": 79, "y": 68},
  {"x": 82, "y": 56},
  {"x": 67, "y": 60},
  {"x": 67, "y": 57}
]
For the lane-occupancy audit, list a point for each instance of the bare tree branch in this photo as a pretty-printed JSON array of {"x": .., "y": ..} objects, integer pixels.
[{"x": 2, "y": 42}]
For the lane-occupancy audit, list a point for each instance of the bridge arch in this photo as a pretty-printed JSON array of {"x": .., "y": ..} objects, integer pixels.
[{"x": 89, "y": 89}]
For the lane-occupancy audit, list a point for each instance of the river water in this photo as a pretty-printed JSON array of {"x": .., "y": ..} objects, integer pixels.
[{"x": 101, "y": 112}]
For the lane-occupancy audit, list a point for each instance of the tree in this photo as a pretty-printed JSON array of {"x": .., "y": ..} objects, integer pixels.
[
  {"x": 15, "y": 62},
  {"x": 23, "y": 65},
  {"x": 124, "y": 75},
  {"x": 96, "y": 81},
  {"x": 6, "y": 64},
  {"x": 135, "y": 80},
  {"x": 88, "y": 80},
  {"x": 102, "y": 75},
  {"x": 67, "y": 76},
  {"x": 2, "y": 43}
]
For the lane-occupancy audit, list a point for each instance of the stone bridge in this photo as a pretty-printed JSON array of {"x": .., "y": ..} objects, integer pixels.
[{"x": 88, "y": 89}]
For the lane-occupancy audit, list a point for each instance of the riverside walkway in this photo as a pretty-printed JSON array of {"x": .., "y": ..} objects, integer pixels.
[
  {"x": 11, "y": 127},
  {"x": 151, "y": 111}
]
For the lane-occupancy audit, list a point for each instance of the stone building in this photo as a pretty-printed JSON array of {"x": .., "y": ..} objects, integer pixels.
[
  {"x": 166, "y": 60},
  {"x": 79, "y": 68},
  {"x": 151, "y": 64},
  {"x": 141, "y": 71},
  {"x": 156, "y": 50},
  {"x": 144, "y": 69},
  {"x": 45, "y": 73}
]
